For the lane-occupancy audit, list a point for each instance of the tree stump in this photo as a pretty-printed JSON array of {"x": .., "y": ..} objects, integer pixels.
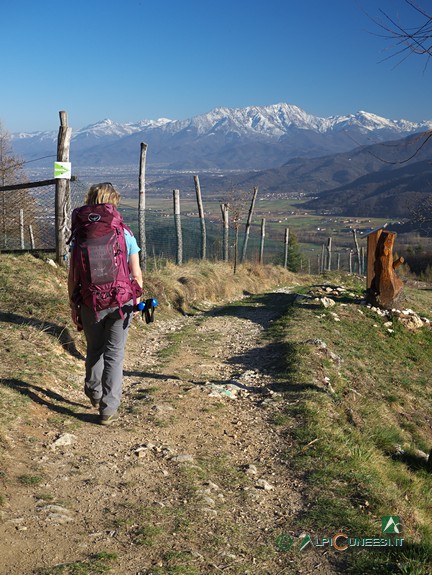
[{"x": 384, "y": 287}]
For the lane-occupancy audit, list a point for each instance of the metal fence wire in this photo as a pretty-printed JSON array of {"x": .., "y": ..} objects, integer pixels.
[
  {"x": 27, "y": 222},
  {"x": 27, "y": 219}
]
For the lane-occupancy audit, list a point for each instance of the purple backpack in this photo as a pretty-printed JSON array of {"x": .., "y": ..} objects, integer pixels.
[{"x": 99, "y": 259}]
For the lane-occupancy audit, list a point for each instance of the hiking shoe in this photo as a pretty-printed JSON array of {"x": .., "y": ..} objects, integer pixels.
[
  {"x": 93, "y": 401},
  {"x": 108, "y": 419}
]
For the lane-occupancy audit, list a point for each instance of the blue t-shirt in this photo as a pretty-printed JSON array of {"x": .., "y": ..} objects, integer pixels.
[{"x": 131, "y": 244}]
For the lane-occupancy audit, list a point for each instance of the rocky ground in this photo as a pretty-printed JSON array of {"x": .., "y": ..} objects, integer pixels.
[{"x": 193, "y": 479}]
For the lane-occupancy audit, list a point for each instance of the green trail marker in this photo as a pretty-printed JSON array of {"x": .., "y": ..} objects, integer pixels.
[{"x": 63, "y": 170}]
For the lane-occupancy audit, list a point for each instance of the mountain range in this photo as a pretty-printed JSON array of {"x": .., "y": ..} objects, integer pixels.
[
  {"x": 358, "y": 165},
  {"x": 252, "y": 138}
]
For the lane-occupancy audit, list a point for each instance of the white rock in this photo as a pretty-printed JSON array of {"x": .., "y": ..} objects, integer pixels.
[
  {"x": 209, "y": 511},
  {"x": 183, "y": 458},
  {"x": 54, "y": 509},
  {"x": 162, "y": 408},
  {"x": 64, "y": 440},
  {"x": 58, "y": 518},
  {"x": 327, "y": 302},
  {"x": 411, "y": 322},
  {"x": 251, "y": 470},
  {"x": 317, "y": 342},
  {"x": 212, "y": 485},
  {"x": 263, "y": 484}
]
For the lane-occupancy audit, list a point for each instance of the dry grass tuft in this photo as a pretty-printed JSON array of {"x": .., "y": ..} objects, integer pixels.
[{"x": 186, "y": 287}]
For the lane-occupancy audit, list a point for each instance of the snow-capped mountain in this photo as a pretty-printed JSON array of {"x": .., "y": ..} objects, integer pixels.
[{"x": 255, "y": 137}]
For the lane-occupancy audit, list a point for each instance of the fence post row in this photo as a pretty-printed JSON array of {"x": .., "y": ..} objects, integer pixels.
[
  {"x": 201, "y": 217},
  {"x": 63, "y": 213},
  {"x": 176, "y": 198},
  {"x": 62, "y": 199},
  {"x": 141, "y": 208}
]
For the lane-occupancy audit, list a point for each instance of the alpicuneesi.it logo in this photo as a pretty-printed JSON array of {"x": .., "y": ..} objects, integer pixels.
[{"x": 390, "y": 525}]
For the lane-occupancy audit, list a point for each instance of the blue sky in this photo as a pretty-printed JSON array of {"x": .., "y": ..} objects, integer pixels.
[{"x": 133, "y": 59}]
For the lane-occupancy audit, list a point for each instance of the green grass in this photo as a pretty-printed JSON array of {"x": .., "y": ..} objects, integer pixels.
[
  {"x": 95, "y": 565},
  {"x": 355, "y": 448},
  {"x": 147, "y": 535},
  {"x": 30, "y": 479}
]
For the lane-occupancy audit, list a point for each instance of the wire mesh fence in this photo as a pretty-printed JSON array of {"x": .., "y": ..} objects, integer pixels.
[
  {"x": 27, "y": 219},
  {"x": 27, "y": 222}
]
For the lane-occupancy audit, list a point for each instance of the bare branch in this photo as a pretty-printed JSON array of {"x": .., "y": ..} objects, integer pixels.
[{"x": 416, "y": 39}]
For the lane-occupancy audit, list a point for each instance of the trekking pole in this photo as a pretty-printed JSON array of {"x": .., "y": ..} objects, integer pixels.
[{"x": 147, "y": 308}]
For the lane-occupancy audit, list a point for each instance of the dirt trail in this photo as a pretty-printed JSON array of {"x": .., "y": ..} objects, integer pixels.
[{"x": 189, "y": 480}]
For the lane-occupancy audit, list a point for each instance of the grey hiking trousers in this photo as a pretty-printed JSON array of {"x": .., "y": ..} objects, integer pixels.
[{"x": 106, "y": 336}]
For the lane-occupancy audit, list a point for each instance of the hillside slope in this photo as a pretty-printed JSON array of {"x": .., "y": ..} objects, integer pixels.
[{"x": 244, "y": 428}]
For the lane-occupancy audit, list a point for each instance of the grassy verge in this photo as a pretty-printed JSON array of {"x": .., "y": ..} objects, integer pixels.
[
  {"x": 358, "y": 415},
  {"x": 95, "y": 565}
]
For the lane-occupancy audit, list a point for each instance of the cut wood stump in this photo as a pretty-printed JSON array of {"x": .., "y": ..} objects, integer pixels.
[{"x": 384, "y": 287}]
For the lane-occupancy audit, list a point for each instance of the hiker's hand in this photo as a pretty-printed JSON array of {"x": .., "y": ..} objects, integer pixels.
[
  {"x": 76, "y": 318},
  {"x": 136, "y": 313}
]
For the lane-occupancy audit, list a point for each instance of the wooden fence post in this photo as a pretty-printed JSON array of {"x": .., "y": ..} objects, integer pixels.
[
  {"x": 329, "y": 253},
  {"x": 354, "y": 232},
  {"x": 248, "y": 223},
  {"x": 236, "y": 228},
  {"x": 362, "y": 258},
  {"x": 201, "y": 216},
  {"x": 4, "y": 221},
  {"x": 323, "y": 266},
  {"x": 225, "y": 219},
  {"x": 176, "y": 197},
  {"x": 32, "y": 240},
  {"x": 263, "y": 223},
  {"x": 141, "y": 208},
  {"x": 286, "y": 243},
  {"x": 62, "y": 197},
  {"x": 21, "y": 226}
]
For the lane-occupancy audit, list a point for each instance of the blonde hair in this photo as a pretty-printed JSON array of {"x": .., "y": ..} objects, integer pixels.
[{"x": 104, "y": 193}]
